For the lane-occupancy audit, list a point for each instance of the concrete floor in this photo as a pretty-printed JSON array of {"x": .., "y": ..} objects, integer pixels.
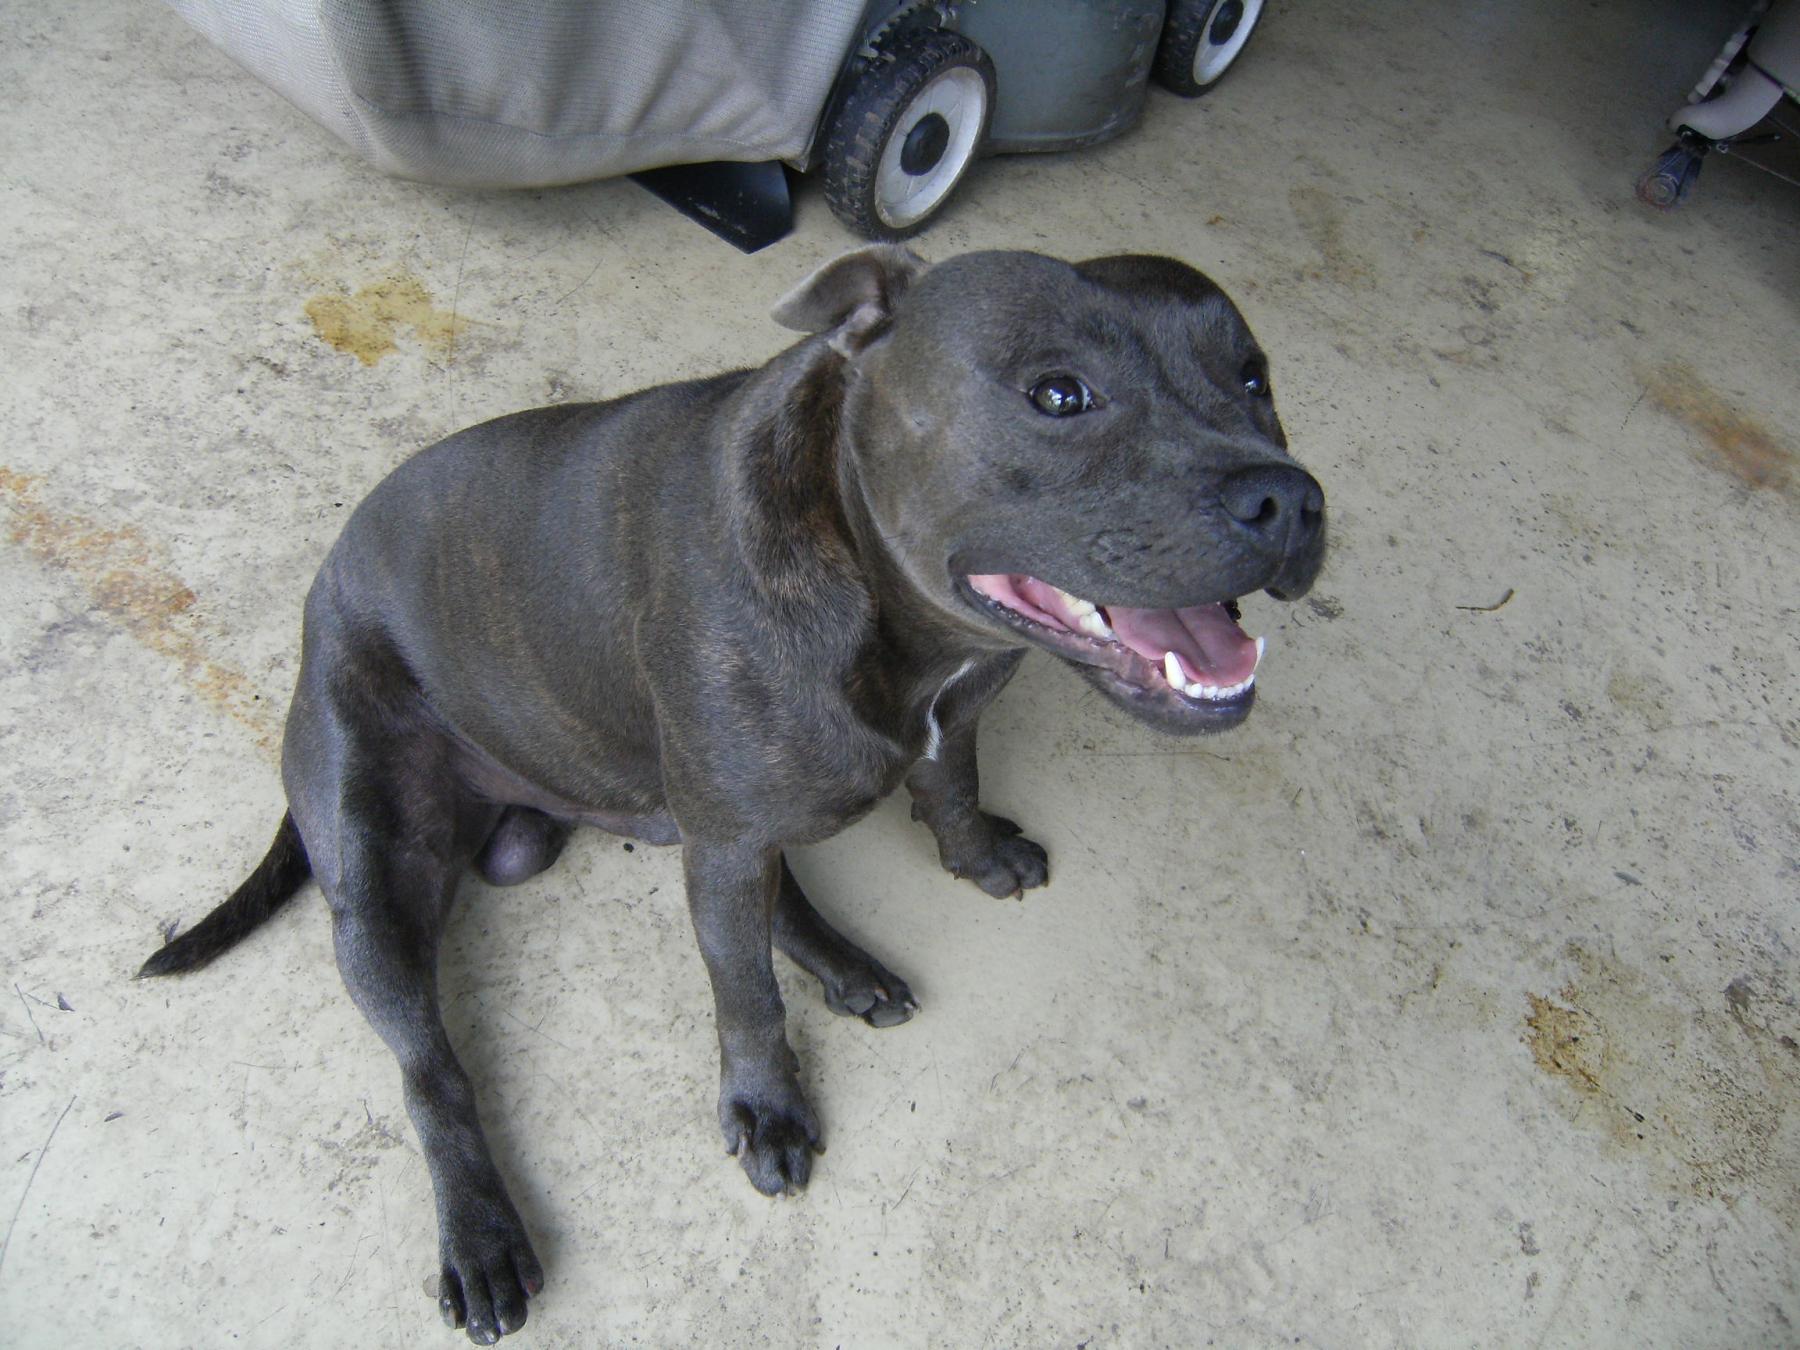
[{"x": 1451, "y": 1001}]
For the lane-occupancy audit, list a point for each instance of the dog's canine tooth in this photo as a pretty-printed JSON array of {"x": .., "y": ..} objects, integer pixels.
[
  {"x": 1093, "y": 625},
  {"x": 1077, "y": 606},
  {"x": 1172, "y": 671},
  {"x": 1261, "y": 643}
]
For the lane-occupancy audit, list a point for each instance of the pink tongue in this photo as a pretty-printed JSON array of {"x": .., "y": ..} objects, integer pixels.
[{"x": 1210, "y": 644}]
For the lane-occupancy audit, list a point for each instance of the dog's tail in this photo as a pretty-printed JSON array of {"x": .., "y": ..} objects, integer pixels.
[{"x": 266, "y": 890}]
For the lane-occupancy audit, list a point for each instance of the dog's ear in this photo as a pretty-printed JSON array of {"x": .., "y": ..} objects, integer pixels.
[{"x": 851, "y": 297}]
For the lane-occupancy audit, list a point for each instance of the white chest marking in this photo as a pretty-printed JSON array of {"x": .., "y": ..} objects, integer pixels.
[{"x": 934, "y": 736}]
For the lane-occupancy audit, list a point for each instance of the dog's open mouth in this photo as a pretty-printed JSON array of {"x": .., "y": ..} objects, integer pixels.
[{"x": 1194, "y": 658}]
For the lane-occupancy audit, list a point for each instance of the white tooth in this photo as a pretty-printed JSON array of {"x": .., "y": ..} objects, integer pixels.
[
  {"x": 1172, "y": 671},
  {"x": 1093, "y": 625},
  {"x": 1077, "y": 606},
  {"x": 1210, "y": 691},
  {"x": 1261, "y": 643}
]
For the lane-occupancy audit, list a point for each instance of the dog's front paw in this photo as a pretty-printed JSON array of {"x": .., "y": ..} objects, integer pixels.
[
  {"x": 995, "y": 856},
  {"x": 489, "y": 1271},
  {"x": 773, "y": 1135},
  {"x": 871, "y": 991}
]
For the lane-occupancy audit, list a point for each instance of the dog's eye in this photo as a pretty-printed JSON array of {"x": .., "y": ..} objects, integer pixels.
[
  {"x": 1061, "y": 396},
  {"x": 1255, "y": 376}
]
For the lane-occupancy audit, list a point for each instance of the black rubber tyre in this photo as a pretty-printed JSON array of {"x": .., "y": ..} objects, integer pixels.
[
  {"x": 879, "y": 124},
  {"x": 1201, "y": 40}
]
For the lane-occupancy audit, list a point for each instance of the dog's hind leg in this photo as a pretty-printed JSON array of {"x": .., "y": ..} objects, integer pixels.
[
  {"x": 387, "y": 955},
  {"x": 390, "y": 838},
  {"x": 986, "y": 849},
  {"x": 856, "y": 984}
]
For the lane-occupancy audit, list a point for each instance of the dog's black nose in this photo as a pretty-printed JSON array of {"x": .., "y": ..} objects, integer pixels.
[
  {"x": 1281, "y": 511},
  {"x": 1281, "y": 502}
]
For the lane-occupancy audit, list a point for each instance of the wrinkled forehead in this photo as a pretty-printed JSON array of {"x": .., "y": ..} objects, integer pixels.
[{"x": 988, "y": 309}]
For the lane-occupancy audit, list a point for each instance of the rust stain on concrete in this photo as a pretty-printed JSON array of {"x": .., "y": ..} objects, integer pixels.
[
  {"x": 117, "y": 566},
  {"x": 1728, "y": 439},
  {"x": 366, "y": 323},
  {"x": 1705, "y": 1092},
  {"x": 1565, "y": 1041}
]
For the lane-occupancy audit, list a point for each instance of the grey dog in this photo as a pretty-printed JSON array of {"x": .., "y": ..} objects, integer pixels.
[{"x": 735, "y": 613}]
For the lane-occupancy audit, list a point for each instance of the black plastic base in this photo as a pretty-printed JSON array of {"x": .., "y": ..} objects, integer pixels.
[{"x": 746, "y": 205}]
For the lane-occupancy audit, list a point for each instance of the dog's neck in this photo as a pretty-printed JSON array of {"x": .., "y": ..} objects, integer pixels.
[
  {"x": 810, "y": 547},
  {"x": 783, "y": 520}
]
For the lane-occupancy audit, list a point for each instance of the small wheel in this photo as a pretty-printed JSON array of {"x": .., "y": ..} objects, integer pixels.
[
  {"x": 1667, "y": 183},
  {"x": 915, "y": 118},
  {"x": 1200, "y": 41}
]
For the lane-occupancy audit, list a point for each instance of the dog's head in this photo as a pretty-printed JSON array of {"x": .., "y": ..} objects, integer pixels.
[{"x": 1084, "y": 457}]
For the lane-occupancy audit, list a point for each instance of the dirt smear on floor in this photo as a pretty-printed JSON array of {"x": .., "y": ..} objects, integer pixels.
[
  {"x": 1728, "y": 440},
  {"x": 1707, "y": 1094},
  {"x": 367, "y": 323},
  {"x": 119, "y": 569},
  {"x": 1316, "y": 212}
]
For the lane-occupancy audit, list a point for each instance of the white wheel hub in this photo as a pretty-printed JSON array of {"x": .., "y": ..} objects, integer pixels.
[
  {"x": 1222, "y": 39},
  {"x": 959, "y": 97}
]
